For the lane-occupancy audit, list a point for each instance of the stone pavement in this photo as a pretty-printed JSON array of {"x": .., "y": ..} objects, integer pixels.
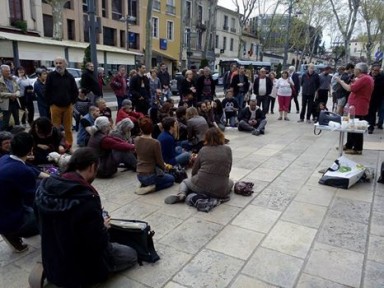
[{"x": 292, "y": 232}]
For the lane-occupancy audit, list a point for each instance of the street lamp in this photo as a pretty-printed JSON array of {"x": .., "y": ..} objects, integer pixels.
[
  {"x": 127, "y": 19},
  {"x": 286, "y": 46}
]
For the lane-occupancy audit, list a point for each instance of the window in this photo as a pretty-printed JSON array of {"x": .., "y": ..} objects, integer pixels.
[
  {"x": 155, "y": 25},
  {"x": 16, "y": 10},
  {"x": 104, "y": 8},
  {"x": 156, "y": 5},
  {"x": 231, "y": 45},
  {"x": 225, "y": 26},
  {"x": 86, "y": 27},
  {"x": 200, "y": 13},
  {"x": 85, "y": 6},
  {"x": 217, "y": 41},
  {"x": 134, "y": 40},
  {"x": 122, "y": 38},
  {"x": 132, "y": 10},
  {"x": 233, "y": 25},
  {"x": 68, "y": 5},
  {"x": 171, "y": 8},
  {"x": 71, "y": 29},
  {"x": 109, "y": 36},
  {"x": 170, "y": 30},
  {"x": 224, "y": 43},
  {"x": 188, "y": 12},
  {"x": 48, "y": 25},
  {"x": 117, "y": 9}
]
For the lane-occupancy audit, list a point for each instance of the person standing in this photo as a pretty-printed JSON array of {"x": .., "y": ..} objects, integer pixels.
[
  {"x": 90, "y": 82},
  {"x": 323, "y": 92},
  {"x": 262, "y": 88},
  {"x": 240, "y": 85},
  {"x": 310, "y": 83},
  {"x": 26, "y": 96},
  {"x": 140, "y": 91},
  {"x": 273, "y": 95},
  {"x": 164, "y": 77},
  {"x": 227, "y": 78},
  {"x": 18, "y": 186},
  {"x": 76, "y": 248},
  {"x": 39, "y": 89},
  {"x": 205, "y": 86},
  {"x": 9, "y": 97},
  {"x": 61, "y": 92},
  {"x": 361, "y": 90},
  {"x": 119, "y": 86},
  {"x": 284, "y": 92},
  {"x": 342, "y": 95},
  {"x": 296, "y": 81},
  {"x": 377, "y": 97}
]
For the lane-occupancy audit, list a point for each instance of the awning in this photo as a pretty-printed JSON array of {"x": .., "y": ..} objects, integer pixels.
[
  {"x": 164, "y": 55},
  {"x": 40, "y": 48}
]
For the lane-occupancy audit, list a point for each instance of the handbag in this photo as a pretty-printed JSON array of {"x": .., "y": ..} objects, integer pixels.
[
  {"x": 243, "y": 188},
  {"x": 137, "y": 235},
  {"x": 178, "y": 173}
]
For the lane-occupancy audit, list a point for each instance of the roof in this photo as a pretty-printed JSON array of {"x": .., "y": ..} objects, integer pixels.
[{"x": 63, "y": 43}]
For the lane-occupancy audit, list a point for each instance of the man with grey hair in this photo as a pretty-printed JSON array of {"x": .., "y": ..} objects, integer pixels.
[
  {"x": 296, "y": 82},
  {"x": 61, "y": 93},
  {"x": 310, "y": 83},
  {"x": 361, "y": 90},
  {"x": 252, "y": 118},
  {"x": 90, "y": 82},
  {"x": 9, "y": 97},
  {"x": 205, "y": 86}
]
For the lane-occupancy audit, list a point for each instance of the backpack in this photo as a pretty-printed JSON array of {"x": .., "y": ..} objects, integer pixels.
[
  {"x": 137, "y": 235},
  {"x": 243, "y": 188}
]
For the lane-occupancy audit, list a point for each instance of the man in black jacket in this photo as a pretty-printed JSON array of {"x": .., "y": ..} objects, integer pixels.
[
  {"x": 296, "y": 81},
  {"x": 90, "y": 82},
  {"x": 262, "y": 88},
  {"x": 75, "y": 245},
  {"x": 61, "y": 92},
  {"x": 139, "y": 88},
  {"x": 164, "y": 76},
  {"x": 310, "y": 83},
  {"x": 240, "y": 85},
  {"x": 252, "y": 119},
  {"x": 377, "y": 97},
  {"x": 205, "y": 86}
]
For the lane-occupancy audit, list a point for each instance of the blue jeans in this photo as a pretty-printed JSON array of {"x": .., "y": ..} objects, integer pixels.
[
  {"x": 120, "y": 101},
  {"x": 240, "y": 99},
  {"x": 182, "y": 158},
  {"x": 161, "y": 182}
]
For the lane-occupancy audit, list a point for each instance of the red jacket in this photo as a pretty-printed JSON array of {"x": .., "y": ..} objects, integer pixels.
[
  {"x": 361, "y": 91},
  {"x": 134, "y": 116},
  {"x": 119, "y": 85}
]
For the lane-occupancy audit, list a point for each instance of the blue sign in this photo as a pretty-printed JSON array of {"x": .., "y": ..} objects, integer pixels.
[
  {"x": 379, "y": 55},
  {"x": 163, "y": 44},
  {"x": 131, "y": 37}
]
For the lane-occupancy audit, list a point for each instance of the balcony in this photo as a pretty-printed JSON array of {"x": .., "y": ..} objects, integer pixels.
[
  {"x": 225, "y": 28},
  {"x": 156, "y": 5},
  {"x": 233, "y": 30},
  {"x": 171, "y": 9}
]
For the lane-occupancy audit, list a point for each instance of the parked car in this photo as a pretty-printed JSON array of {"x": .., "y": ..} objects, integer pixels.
[{"x": 75, "y": 72}]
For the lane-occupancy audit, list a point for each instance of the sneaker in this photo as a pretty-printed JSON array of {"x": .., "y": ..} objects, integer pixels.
[
  {"x": 380, "y": 127},
  {"x": 353, "y": 152},
  {"x": 16, "y": 243},
  {"x": 172, "y": 199},
  {"x": 286, "y": 119},
  {"x": 280, "y": 118},
  {"x": 370, "y": 131},
  {"x": 256, "y": 132},
  {"x": 226, "y": 141},
  {"x": 145, "y": 190},
  {"x": 297, "y": 112},
  {"x": 301, "y": 120},
  {"x": 309, "y": 121}
]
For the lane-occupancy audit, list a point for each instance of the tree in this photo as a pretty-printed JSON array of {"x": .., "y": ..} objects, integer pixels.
[
  {"x": 57, "y": 17},
  {"x": 346, "y": 15},
  {"x": 87, "y": 57},
  {"x": 148, "y": 35},
  {"x": 372, "y": 13},
  {"x": 243, "y": 14}
]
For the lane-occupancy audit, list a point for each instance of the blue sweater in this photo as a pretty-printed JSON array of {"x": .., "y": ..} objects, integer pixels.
[
  {"x": 18, "y": 186},
  {"x": 168, "y": 145}
]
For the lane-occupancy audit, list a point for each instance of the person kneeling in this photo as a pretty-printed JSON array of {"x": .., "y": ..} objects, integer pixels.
[
  {"x": 252, "y": 119},
  {"x": 75, "y": 245}
]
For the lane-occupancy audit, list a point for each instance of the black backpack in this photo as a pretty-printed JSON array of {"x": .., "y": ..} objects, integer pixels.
[
  {"x": 137, "y": 235},
  {"x": 381, "y": 178}
]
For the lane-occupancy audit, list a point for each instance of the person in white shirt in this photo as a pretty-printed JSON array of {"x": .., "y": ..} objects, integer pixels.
[{"x": 284, "y": 93}]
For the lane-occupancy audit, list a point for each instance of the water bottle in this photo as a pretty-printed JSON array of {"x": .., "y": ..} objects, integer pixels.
[{"x": 346, "y": 113}]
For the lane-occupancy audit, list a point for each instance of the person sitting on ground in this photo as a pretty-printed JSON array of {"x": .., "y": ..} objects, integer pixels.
[
  {"x": 126, "y": 111},
  {"x": 104, "y": 109},
  {"x": 150, "y": 162},
  {"x": 218, "y": 114},
  {"x": 182, "y": 123},
  {"x": 210, "y": 172},
  {"x": 230, "y": 107},
  {"x": 5, "y": 143},
  {"x": 123, "y": 130},
  {"x": 76, "y": 249},
  {"x": 196, "y": 128},
  {"x": 81, "y": 107},
  {"x": 172, "y": 154},
  {"x": 111, "y": 150},
  {"x": 47, "y": 139},
  {"x": 17, "y": 194},
  {"x": 252, "y": 119},
  {"x": 85, "y": 126}
]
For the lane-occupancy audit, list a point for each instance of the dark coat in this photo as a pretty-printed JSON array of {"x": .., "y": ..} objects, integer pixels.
[
  {"x": 164, "y": 78},
  {"x": 61, "y": 90},
  {"x": 269, "y": 85},
  {"x": 245, "y": 114},
  {"x": 74, "y": 239},
  {"x": 310, "y": 83},
  {"x": 200, "y": 87},
  {"x": 235, "y": 81},
  {"x": 90, "y": 82}
]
